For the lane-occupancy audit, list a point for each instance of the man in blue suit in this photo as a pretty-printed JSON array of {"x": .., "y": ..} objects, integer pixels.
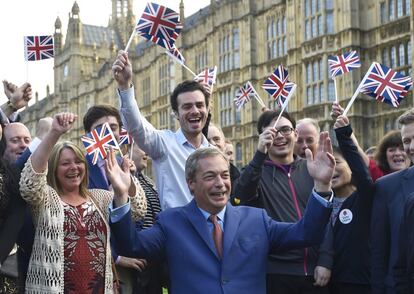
[
  {"x": 391, "y": 195},
  {"x": 228, "y": 255}
]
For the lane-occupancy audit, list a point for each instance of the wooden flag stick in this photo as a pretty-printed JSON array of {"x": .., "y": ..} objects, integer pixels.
[
  {"x": 130, "y": 40},
  {"x": 357, "y": 91},
  {"x": 258, "y": 98},
  {"x": 131, "y": 150},
  {"x": 186, "y": 67},
  {"x": 180, "y": 63},
  {"x": 336, "y": 90},
  {"x": 285, "y": 104}
]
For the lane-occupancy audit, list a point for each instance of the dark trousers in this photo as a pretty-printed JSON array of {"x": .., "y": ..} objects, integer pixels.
[
  {"x": 347, "y": 288},
  {"x": 289, "y": 284}
]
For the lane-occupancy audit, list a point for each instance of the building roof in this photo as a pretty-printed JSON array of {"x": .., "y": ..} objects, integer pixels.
[
  {"x": 101, "y": 36},
  {"x": 196, "y": 18}
]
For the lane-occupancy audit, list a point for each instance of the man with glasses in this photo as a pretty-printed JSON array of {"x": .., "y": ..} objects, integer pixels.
[{"x": 279, "y": 181}]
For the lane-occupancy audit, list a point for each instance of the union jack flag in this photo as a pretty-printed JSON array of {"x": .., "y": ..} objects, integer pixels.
[
  {"x": 167, "y": 44},
  {"x": 125, "y": 137},
  {"x": 278, "y": 85},
  {"x": 159, "y": 21},
  {"x": 385, "y": 84},
  {"x": 175, "y": 54},
  {"x": 98, "y": 140},
  {"x": 38, "y": 47},
  {"x": 244, "y": 95},
  {"x": 207, "y": 76},
  {"x": 341, "y": 64},
  {"x": 288, "y": 90}
]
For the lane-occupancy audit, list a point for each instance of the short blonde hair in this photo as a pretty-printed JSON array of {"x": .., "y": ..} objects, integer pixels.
[{"x": 53, "y": 164}]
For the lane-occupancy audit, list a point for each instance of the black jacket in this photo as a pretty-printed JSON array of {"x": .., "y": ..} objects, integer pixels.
[
  {"x": 284, "y": 195},
  {"x": 351, "y": 240}
]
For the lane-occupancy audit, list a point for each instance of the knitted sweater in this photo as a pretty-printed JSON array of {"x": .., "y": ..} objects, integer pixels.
[{"x": 46, "y": 272}]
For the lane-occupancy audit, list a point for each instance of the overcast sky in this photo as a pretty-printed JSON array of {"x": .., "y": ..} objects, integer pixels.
[{"x": 21, "y": 18}]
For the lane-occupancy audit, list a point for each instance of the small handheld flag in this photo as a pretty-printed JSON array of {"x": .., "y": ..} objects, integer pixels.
[
  {"x": 385, "y": 84},
  {"x": 98, "y": 140},
  {"x": 207, "y": 76},
  {"x": 159, "y": 21},
  {"x": 176, "y": 55},
  {"x": 125, "y": 137},
  {"x": 38, "y": 47},
  {"x": 278, "y": 85},
  {"x": 341, "y": 64},
  {"x": 244, "y": 94}
]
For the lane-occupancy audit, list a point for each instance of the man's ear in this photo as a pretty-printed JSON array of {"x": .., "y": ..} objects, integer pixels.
[
  {"x": 175, "y": 113},
  {"x": 190, "y": 184}
]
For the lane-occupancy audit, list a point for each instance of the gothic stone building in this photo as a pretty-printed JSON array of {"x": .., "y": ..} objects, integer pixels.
[{"x": 247, "y": 40}]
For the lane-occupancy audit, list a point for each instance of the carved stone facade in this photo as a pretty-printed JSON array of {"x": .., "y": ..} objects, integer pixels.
[{"x": 246, "y": 39}]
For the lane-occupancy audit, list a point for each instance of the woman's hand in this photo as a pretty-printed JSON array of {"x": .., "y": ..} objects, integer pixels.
[{"x": 63, "y": 122}]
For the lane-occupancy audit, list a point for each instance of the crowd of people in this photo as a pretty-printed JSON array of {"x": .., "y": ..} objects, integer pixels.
[{"x": 302, "y": 216}]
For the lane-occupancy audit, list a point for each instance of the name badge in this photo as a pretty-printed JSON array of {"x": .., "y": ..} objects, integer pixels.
[{"x": 345, "y": 216}]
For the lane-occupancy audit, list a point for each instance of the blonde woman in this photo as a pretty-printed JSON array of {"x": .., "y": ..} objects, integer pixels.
[{"x": 71, "y": 251}]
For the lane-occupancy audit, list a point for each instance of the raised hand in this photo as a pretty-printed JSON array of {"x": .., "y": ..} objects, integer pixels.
[
  {"x": 266, "y": 139},
  {"x": 206, "y": 86},
  {"x": 322, "y": 164},
  {"x": 337, "y": 110},
  {"x": 63, "y": 122},
  {"x": 120, "y": 177},
  {"x": 341, "y": 121},
  {"x": 43, "y": 127},
  {"x": 122, "y": 70},
  {"x": 19, "y": 97}
]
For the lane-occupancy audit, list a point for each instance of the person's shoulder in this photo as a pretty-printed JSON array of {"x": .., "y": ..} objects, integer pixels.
[
  {"x": 395, "y": 176},
  {"x": 101, "y": 194},
  {"x": 248, "y": 210}
]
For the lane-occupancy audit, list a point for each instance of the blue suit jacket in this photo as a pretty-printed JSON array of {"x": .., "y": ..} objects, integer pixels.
[
  {"x": 181, "y": 236},
  {"x": 97, "y": 180},
  {"x": 391, "y": 193}
]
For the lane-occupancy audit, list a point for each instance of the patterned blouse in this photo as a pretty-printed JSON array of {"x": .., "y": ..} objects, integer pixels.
[{"x": 84, "y": 249}]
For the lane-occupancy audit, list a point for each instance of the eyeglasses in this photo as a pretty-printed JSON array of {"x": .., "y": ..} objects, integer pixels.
[{"x": 284, "y": 131}]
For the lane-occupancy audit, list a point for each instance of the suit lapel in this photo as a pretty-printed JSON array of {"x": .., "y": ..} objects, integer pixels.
[
  {"x": 199, "y": 223},
  {"x": 231, "y": 226}
]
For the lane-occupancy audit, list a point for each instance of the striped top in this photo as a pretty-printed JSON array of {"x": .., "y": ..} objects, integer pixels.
[{"x": 153, "y": 202}]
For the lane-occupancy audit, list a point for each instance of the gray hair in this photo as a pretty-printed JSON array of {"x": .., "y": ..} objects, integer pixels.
[
  {"x": 407, "y": 117},
  {"x": 191, "y": 165},
  {"x": 308, "y": 120}
]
